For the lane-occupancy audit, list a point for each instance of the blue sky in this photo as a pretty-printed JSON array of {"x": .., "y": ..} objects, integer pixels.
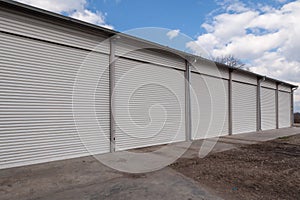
[
  {"x": 130, "y": 14},
  {"x": 263, "y": 34},
  {"x": 187, "y": 17}
]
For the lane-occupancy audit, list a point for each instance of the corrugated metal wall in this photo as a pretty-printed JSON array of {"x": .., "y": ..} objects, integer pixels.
[
  {"x": 40, "y": 28},
  {"x": 244, "y": 77},
  {"x": 134, "y": 50},
  {"x": 284, "y": 88},
  {"x": 209, "y": 107},
  {"x": 268, "y": 84},
  {"x": 203, "y": 67}
]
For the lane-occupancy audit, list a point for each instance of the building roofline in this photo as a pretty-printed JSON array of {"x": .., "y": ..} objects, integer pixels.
[{"x": 38, "y": 11}]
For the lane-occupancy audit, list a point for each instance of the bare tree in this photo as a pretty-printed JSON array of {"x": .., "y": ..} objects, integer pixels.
[{"x": 231, "y": 61}]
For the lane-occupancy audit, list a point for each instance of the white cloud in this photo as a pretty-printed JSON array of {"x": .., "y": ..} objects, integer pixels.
[
  {"x": 173, "y": 33},
  {"x": 91, "y": 17},
  {"x": 57, "y": 6},
  {"x": 281, "y": 1},
  {"x": 267, "y": 38},
  {"x": 73, "y": 8},
  {"x": 236, "y": 6}
]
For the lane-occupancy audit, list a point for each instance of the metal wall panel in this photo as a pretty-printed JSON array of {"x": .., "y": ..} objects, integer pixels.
[
  {"x": 209, "y": 105},
  {"x": 244, "y": 110},
  {"x": 268, "y": 109},
  {"x": 149, "y": 104},
  {"x": 268, "y": 84},
  {"x": 284, "y": 88},
  {"x": 244, "y": 77},
  {"x": 208, "y": 68},
  {"x": 22, "y": 24},
  {"x": 37, "y": 85},
  {"x": 284, "y": 109},
  {"x": 141, "y": 52}
]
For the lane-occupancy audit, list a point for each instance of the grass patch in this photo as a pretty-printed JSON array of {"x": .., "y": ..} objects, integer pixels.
[{"x": 284, "y": 137}]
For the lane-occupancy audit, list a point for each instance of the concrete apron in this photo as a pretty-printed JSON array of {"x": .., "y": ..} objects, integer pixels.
[
  {"x": 154, "y": 158},
  {"x": 208, "y": 146},
  {"x": 87, "y": 178}
]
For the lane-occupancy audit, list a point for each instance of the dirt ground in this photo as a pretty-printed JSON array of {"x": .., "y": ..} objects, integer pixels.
[{"x": 268, "y": 170}]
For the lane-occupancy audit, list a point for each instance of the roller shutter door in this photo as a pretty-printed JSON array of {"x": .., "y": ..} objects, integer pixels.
[
  {"x": 149, "y": 104},
  {"x": 243, "y": 108},
  {"x": 209, "y": 106},
  {"x": 44, "y": 114},
  {"x": 268, "y": 109},
  {"x": 284, "y": 104}
]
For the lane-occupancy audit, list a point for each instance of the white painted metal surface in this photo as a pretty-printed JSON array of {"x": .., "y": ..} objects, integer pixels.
[
  {"x": 142, "y": 52},
  {"x": 244, "y": 77},
  {"x": 268, "y": 109},
  {"x": 40, "y": 28},
  {"x": 36, "y": 102},
  {"x": 149, "y": 104},
  {"x": 209, "y": 68},
  {"x": 209, "y": 107},
  {"x": 268, "y": 84},
  {"x": 284, "y": 88},
  {"x": 244, "y": 107},
  {"x": 284, "y": 108}
]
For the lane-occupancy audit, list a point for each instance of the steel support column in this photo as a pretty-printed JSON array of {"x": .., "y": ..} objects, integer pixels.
[
  {"x": 277, "y": 106},
  {"x": 292, "y": 107},
  {"x": 188, "y": 123},
  {"x": 230, "y": 102},
  {"x": 258, "y": 104},
  {"x": 112, "y": 62}
]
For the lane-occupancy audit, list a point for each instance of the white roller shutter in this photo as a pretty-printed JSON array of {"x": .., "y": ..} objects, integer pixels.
[
  {"x": 268, "y": 109},
  {"x": 149, "y": 104},
  {"x": 284, "y": 109},
  {"x": 209, "y": 105},
  {"x": 37, "y": 85},
  {"x": 243, "y": 107}
]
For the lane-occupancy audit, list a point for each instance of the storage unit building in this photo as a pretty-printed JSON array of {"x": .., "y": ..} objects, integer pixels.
[{"x": 71, "y": 89}]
